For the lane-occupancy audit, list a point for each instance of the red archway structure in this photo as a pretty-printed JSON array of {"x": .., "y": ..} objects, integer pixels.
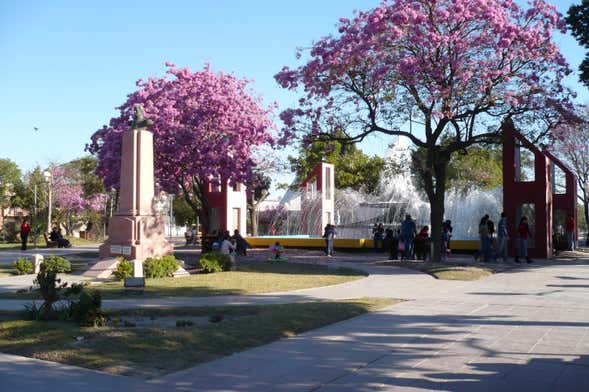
[{"x": 532, "y": 193}]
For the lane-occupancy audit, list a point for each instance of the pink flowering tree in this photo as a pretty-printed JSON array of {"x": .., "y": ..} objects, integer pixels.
[
  {"x": 205, "y": 125},
  {"x": 71, "y": 204},
  {"x": 460, "y": 67}
]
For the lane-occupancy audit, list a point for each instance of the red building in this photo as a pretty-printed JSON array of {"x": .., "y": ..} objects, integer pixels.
[
  {"x": 228, "y": 206},
  {"x": 532, "y": 193},
  {"x": 318, "y": 199}
]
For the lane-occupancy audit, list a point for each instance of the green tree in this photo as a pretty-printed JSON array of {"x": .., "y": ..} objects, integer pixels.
[
  {"x": 259, "y": 191},
  {"x": 9, "y": 179},
  {"x": 81, "y": 171},
  {"x": 474, "y": 167},
  {"x": 477, "y": 166},
  {"x": 354, "y": 169},
  {"x": 578, "y": 22},
  {"x": 31, "y": 195},
  {"x": 183, "y": 213}
]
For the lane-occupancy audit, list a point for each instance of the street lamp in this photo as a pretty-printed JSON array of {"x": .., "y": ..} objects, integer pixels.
[
  {"x": 48, "y": 176},
  {"x": 586, "y": 196}
]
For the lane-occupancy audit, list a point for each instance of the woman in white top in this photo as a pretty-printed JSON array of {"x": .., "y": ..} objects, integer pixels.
[{"x": 226, "y": 246}]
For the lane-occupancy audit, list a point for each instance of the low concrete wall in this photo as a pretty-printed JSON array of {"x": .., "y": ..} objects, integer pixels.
[{"x": 342, "y": 243}]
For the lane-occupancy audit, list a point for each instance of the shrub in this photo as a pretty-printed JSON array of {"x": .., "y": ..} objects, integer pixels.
[
  {"x": 184, "y": 323},
  {"x": 215, "y": 262},
  {"x": 57, "y": 264},
  {"x": 124, "y": 269},
  {"x": 32, "y": 312},
  {"x": 75, "y": 289},
  {"x": 23, "y": 266},
  {"x": 86, "y": 310},
  {"x": 50, "y": 288},
  {"x": 160, "y": 268}
]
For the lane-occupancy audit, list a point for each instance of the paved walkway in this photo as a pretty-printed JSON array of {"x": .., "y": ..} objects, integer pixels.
[
  {"x": 7, "y": 256},
  {"x": 523, "y": 330}
]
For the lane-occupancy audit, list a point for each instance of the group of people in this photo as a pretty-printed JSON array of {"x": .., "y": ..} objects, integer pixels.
[
  {"x": 408, "y": 243},
  {"x": 487, "y": 251},
  {"x": 228, "y": 244},
  {"x": 54, "y": 236}
]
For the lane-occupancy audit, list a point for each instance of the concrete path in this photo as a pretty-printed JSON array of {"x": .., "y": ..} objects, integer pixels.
[
  {"x": 523, "y": 330},
  {"x": 7, "y": 256}
]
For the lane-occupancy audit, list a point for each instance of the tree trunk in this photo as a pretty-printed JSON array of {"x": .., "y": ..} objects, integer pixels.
[
  {"x": 68, "y": 224},
  {"x": 205, "y": 220},
  {"x": 254, "y": 218},
  {"x": 586, "y": 211},
  {"x": 437, "y": 218},
  {"x": 434, "y": 177},
  {"x": 255, "y": 207},
  {"x": 3, "y": 222}
]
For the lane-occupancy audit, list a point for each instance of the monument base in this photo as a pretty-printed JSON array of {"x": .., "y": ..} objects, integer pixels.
[{"x": 136, "y": 238}]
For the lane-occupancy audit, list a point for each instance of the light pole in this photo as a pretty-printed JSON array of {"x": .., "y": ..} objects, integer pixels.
[
  {"x": 171, "y": 198},
  {"x": 48, "y": 176},
  {"x": 34, "y": 218},
  {"x": 585, "y": 206}
]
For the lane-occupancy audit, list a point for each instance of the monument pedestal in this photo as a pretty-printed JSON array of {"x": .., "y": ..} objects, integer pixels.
[
  {"x": 135, "y": 232},
  {"x": 136, "y": 238}
]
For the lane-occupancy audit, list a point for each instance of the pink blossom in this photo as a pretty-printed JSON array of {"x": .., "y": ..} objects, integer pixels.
[{"x": 204, "y": 124}]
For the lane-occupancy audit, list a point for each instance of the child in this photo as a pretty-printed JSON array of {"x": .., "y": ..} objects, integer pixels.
[{"x": 276, "y": 251}]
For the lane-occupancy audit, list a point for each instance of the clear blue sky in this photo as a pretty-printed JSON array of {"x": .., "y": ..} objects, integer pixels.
[{"x": 65, "y": 65}]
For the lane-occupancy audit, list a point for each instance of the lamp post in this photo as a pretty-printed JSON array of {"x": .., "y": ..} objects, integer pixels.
[
  {"x": 34, "y": 219},
  {"x": 48, "y": 177},
  {"x": 585, "y": 206}
]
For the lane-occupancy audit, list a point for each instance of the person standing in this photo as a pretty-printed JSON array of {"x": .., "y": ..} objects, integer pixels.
[
  {"x": 329, "y": 235},
  {"x": 483, "y": 237},
  {"x": 378, "y": 236},
  {"x": 447, "y": 227},
  {"x": 393, "y": 243},
  {"x": 422, "y": 244},
  {"x": 241, "y": 244},
  {"x": 408, "y": 231},
  {"x": 25, "y": 229},
  {"x": 502, "y": 237},
  {"x": 490, "y": 236},
  {"x": 523, "y": 233},
  {"x": 570, "y": 230}
]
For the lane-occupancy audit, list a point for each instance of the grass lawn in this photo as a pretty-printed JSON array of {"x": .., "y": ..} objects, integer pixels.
[
  {"x": 153, "y": 351},
  {"x": 253, "y": 278},
  {"x": 17, "y": 245},
  {"x": 41, "y": 243},
  {"x": 450, "y": 271},
  {"x": 6, "y": 270}
]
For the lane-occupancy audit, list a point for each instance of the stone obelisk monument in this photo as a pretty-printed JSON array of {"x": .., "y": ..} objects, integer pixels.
[{"x": 136, "y": 232}]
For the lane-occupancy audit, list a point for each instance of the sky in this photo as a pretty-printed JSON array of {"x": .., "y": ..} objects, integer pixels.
[{"x": 66, "y": 65}]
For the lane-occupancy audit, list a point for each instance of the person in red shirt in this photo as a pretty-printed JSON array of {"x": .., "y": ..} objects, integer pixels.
[
  {"x": 523, "y": 234},
  {"x": 570, "y": 230},
  {"x": 25, "y": 229}
]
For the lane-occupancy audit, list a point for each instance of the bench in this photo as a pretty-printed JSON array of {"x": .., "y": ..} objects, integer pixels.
[{"x": 50, "y": 244}]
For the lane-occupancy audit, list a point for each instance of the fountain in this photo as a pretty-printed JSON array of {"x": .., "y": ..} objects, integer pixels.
[{"x": 356, "y": 212}]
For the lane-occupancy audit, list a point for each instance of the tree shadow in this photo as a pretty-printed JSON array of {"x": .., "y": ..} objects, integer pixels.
[{"x": 385, "y": 351}]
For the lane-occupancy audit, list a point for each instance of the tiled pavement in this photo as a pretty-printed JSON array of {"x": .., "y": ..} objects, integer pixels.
[{"x": 523, "y": 330}]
